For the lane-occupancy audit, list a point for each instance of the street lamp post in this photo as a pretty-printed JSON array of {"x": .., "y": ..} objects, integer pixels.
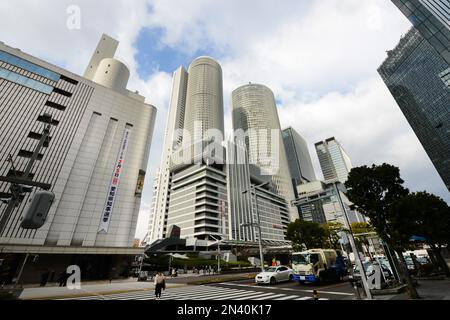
[
  {"x": 352, "y": 243},
  {"x": 258, "y": 224},
  {"x": 218, "y": 252}
]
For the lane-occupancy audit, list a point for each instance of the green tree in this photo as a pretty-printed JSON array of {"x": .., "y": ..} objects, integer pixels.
[
  {"x": 373, "y": 191},
  {"x": 426, "y": 215},
  {"x": 305, "y": 234},
  {"x": 331, "y": 230}
]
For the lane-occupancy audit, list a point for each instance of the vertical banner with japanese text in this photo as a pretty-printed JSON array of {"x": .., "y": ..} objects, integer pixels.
[{"x": 112, "y": 190}]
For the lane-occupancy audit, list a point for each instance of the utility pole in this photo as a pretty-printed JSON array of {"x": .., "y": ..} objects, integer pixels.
[
  {"x": 218, "y": 252},
  {"x": 352, "y": 243},
  {"x": 17, "y": 183},
  {"x": 258, "y": 223}
]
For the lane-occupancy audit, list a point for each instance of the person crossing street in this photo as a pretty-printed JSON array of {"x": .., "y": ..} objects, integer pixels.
[{"x": 160, "y": 284}]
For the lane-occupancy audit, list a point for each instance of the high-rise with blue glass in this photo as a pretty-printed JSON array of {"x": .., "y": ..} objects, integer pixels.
[{"x": 413, "y": 73}]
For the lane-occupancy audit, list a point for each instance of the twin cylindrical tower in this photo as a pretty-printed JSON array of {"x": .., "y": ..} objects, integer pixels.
[
  {"x": 204, "y": 99},
  {"x": 255, "y": 110}
]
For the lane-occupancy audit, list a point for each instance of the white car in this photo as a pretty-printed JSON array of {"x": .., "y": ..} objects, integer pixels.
[{"x": 272, "y": 275}]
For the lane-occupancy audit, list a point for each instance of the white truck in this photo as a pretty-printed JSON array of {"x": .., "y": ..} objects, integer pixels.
[{"x": 316, "y": 265}]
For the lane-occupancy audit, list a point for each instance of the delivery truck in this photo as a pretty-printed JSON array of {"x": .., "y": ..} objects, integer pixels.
[{"x": 317, "y": 265}]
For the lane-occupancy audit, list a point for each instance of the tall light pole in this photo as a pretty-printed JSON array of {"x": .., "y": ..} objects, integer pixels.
[
  {"x": 258, "y": 223},
  {"x": 352, "y": 242},
  {"x": 218, "y": 252}
]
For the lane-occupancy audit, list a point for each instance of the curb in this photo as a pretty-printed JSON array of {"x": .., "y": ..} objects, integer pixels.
[{"x": 384, "y": 292}]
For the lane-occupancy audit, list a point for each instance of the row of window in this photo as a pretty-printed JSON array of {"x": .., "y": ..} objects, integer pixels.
[
  {"x": 26, "y": 65},
  {"x": 24, "y": 81}
]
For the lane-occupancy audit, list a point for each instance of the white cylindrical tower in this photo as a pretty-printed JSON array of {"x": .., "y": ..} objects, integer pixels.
[
  {"x": 204, "y": 99},
  {"x": 112, "y": 73},
  {"x": 254, "y": 109}
]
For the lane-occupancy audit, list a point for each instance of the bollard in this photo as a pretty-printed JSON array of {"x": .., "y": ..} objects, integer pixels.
[{"x": 315, "y": 295}]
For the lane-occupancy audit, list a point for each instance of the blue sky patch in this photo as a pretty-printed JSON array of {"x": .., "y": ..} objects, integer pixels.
[{"x": 153, "y": 55}]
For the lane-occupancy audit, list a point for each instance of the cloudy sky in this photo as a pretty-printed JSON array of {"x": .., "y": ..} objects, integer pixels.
[{"x": 319, "y": 57}]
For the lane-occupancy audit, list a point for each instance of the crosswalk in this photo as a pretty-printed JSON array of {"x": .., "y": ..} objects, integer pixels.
[{"x": 199, "y": 293}]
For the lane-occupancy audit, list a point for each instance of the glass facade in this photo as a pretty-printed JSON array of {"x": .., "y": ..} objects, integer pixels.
[
  {"x": 298, "y": 157},
  {"x": 334, "y": 161},
  {"x": 28, "y": 66},
  {"x": 24, "y": 81},
  {"x": 413, "y": 72},
  {"x": 432, "y": 19}
]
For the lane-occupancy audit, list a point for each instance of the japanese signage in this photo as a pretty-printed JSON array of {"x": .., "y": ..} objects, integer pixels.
[
  {"x": 112, "y": 191},
  {"x": 140, "y": 183}
]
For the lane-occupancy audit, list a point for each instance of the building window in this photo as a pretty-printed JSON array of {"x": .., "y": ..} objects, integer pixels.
[
  {"x": 24, "y": 81},
  {"x": 28, "y": 66}
]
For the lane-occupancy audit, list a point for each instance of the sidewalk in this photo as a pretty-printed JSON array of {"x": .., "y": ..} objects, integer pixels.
[
  {"x": 99, "y": 288},
  {"x": 427, "y": 289},
  {"x": 90, "y": 289}
]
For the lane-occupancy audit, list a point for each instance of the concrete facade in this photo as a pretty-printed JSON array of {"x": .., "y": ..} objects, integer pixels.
[{"x": 96, "y": 133}]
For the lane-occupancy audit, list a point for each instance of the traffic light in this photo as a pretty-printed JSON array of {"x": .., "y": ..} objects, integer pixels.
[{"x": 36, "y": 213}]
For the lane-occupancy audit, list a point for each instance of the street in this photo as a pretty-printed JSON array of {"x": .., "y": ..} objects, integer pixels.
[
  {"x": 180, "y": 289},
  {"x": 335, "y": 291},
  {"x": 236, "y": 290}
]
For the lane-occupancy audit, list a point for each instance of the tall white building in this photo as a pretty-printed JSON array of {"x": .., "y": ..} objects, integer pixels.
[
  {"x": 204, "y": 100},
  {"x": 254, "y": 109},
  {"x": 334, "y": 161},
  {"x": 94, "y": 162},
  {"x": 273, "y": 211},
  {"x": 172, "y": 141},
  {"x": 183, "y": 195}
]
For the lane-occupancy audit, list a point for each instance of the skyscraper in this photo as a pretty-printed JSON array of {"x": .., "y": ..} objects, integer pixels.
[
  {"x": 204, "y": 100},
  {"x": 94, "y": 161},
  {"x": 273, "y": 211},
  {"x": 172, "y": 141},
  {"x": 192, "y": 194},
  {"x": 299, "y": 159},
  {"x": 432, "y": 19},
  {"x": 334, "y": 161},
  {"x": 412, "y": 74},
  {"x": 254, "y": 109}
]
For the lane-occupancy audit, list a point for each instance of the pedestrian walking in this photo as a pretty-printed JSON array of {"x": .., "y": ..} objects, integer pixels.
[
  {"x": 340, "y": 265},
  {"x": 160, "y": 284}
]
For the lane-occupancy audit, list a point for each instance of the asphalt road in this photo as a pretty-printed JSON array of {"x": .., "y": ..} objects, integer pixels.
[{"x": 332, "y": 291}]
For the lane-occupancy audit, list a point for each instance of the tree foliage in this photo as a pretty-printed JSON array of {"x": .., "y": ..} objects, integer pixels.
[
  {"x": 426, "y": 215},
  {"x": 361, "y": 232},
  {"x": 332, "y": 230},
  {"x": 305, "y": 234},
  {"x": 373, "y": 191}
]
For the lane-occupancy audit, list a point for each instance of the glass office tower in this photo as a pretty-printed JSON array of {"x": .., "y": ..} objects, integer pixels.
[
  {"x": 412, "y": 73},
  {"x": 432, "y": 19}
]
